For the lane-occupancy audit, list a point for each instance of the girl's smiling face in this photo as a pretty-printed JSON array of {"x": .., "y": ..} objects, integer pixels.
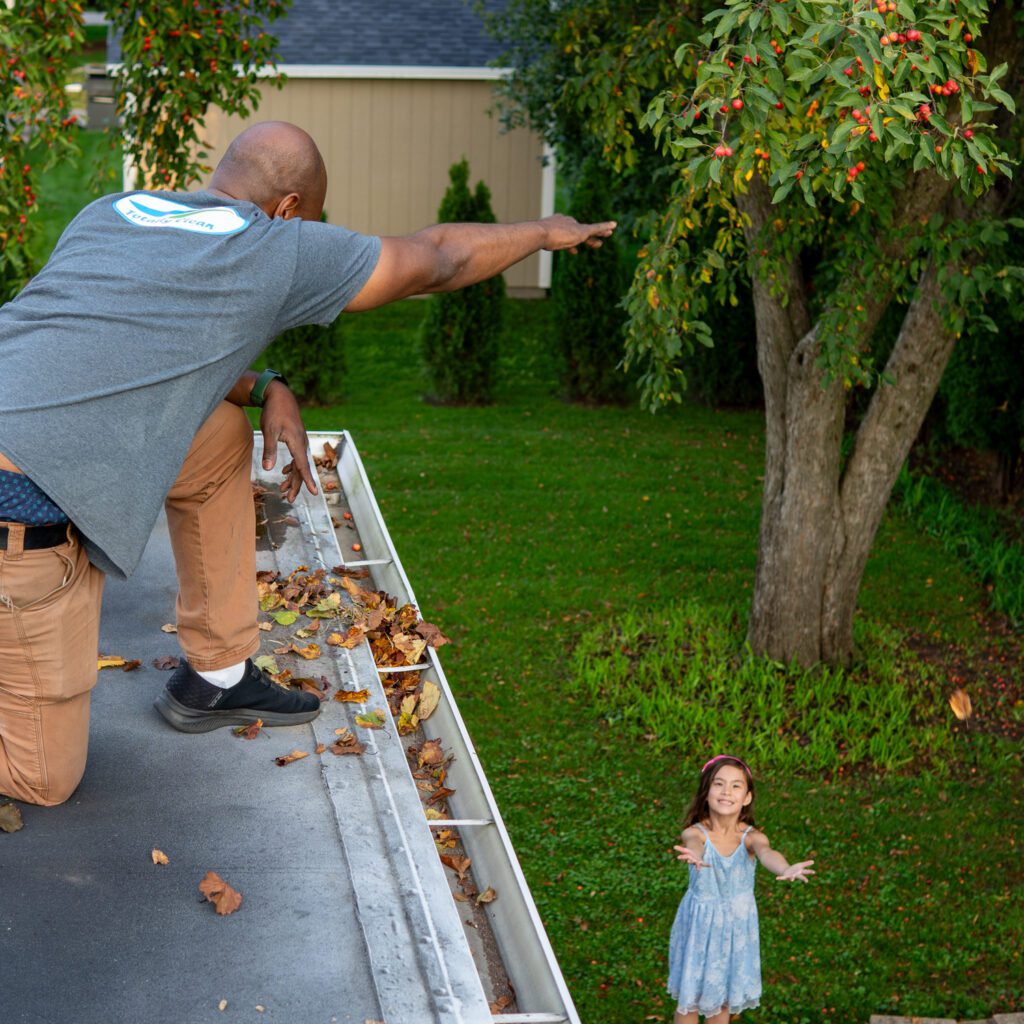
[{"x": 729, "y": 791}]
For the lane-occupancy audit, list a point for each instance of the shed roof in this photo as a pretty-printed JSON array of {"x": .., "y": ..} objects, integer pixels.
[{"x": 404, "y": 33}]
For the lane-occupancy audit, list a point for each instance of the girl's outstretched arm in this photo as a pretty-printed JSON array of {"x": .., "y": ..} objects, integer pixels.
[
  {"x": 692, "y": 849},
  {"x": 776, "y": 863}
]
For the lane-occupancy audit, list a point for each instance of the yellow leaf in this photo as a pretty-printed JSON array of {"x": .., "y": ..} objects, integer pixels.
[
  {"x": 295, "y": 755},
  {"x": 749, "y": 174},
  {"x": 653, "y": 299},
  {"x": 159, "y": 857},
  {"x": 883, "y": 89},
  {"x": 110, "y": 661}
]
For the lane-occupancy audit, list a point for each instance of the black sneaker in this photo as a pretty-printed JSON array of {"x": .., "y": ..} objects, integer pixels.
[{"x": 191, "y": 704}]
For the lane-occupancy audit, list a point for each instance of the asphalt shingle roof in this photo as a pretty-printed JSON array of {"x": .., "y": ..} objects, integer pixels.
[{"x": 418, "y": 33}]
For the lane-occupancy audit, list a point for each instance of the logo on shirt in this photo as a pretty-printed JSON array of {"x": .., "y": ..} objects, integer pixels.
[{"x": 148, "y": 211}]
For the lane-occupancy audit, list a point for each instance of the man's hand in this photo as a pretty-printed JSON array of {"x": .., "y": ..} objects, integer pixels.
[
  {"x": 566, "y": 233},
  {"x": 280, "y": 420}
]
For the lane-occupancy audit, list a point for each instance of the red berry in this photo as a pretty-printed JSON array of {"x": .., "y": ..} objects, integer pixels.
[
  {"x": 968, "y": 133},
  {"x": 737, "y": 104}
]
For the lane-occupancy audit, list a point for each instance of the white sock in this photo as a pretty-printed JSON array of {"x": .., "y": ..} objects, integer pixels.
[{"x": 225, "y": 677}]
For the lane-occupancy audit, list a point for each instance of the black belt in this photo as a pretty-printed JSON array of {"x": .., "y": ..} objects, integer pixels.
[{"x": 38, "y": 536}]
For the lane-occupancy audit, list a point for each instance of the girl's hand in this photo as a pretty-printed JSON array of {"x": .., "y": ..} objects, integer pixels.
[
  {"x": 687, "y": 855},
  {"x": 797, "y": 872}
]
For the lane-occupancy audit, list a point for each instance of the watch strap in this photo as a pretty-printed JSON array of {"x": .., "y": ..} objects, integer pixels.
[{"x": 259, "y": 389}]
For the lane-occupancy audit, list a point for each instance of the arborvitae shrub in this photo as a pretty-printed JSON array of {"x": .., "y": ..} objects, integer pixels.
[
  {"x": 586, "y": 289},
  {"x": 461, "y": 330}
]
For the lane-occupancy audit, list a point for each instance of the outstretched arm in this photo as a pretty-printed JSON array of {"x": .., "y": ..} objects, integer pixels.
[
  {"x": 776, "y": 863},
  {"x": 691, "y": 850},
  {"x": 446, "y": 257}
]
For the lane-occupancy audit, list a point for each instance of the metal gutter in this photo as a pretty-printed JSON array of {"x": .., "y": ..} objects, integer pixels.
[{"x": 541, "y": 994}]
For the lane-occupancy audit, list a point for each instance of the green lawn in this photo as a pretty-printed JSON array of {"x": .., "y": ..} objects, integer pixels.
[{"x": 522, "y": 525}]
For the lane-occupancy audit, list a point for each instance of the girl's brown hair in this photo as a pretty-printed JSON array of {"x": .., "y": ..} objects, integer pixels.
[{"x": 699, "y": 810}]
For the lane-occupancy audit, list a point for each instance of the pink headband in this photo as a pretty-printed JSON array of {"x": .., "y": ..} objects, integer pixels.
[{"x": 719, "y": 757}]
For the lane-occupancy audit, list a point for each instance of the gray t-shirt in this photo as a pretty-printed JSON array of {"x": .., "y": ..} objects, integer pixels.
[{"x": 149, "y": 310}]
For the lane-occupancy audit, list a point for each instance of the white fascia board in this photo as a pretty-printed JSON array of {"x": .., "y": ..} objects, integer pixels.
[{"x": 391, "y": 71}]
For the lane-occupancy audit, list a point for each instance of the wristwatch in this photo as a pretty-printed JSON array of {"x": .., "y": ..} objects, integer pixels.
[{"x": 259, "y": 389}]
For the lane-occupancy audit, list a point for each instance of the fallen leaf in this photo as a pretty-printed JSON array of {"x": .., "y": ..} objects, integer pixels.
[
  {"x": 356, "y": 574},
  {"x": 307, "y": 631},
  {"x": 168, "y": 627},
  {"x": 222, "y": 1005},
  {"x": 220, "y": 894},
  {"x": 433, "y": 814},
  {"x": 284, "y": 618},
  {"x": 328, "y": 460},
  {"x": 166, "y": 662},
  {"x": 433, "y": 636},
  {"x": 346, "y": 743},
  {"x": 10, "y": 818},
  {"x": 407, "y": 724},
  {"x": 250, "y": 731},
  {"x": 309, "y": 652},
  {"x": 320, "y": 748},
  {"x": 440, "y": 794},
  {"x": 411, "y": 646},
  {"x": 429, "y": 700},
  {"x": 408, "y": 705},
  {"x": 159, "y": 857},
  {"x": 500, "y": 1003},
  {"x": 265, "y": 626},
  {"x": 460, "y": 865},
  {"x": 110, "y": 661},
  {"x": 318, "y": 687},
  {"x": 371, "y": 720},
  {"x": 431, "y": 753},
  {"x": 266, "y": 663},
  {"x": 352, "y": 696},
  {"x": 131, "y": 666},
  {"x": 960, "y": 702},
  {"x": 295, "y": 755},
  {"x": 460, "y": 897},
  {"x": 335, "y": 640},
  {"x": 487, "y": 896}
]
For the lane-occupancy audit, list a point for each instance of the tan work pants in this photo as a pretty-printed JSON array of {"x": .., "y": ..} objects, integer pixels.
[{"x": 50, "y": 612}]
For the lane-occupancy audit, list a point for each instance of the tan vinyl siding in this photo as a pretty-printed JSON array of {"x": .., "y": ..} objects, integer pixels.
[{"x": 389, "y": 143}]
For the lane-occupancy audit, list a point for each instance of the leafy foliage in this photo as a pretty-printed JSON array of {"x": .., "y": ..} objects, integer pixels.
[
  {"x": 680, "y": 677},
  {"x": 587, "y": 289},
  {"x": 312, "y": 359},
  {"x": 36, "y": 41},
  {"x": 461, "y": 329},
  {"x": 178, "y": 60}
]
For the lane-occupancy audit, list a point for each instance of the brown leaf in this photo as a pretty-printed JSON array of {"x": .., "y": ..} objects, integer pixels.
[
  {"x": 429, "y": 699},
  {"x": 411, "y": 646},
  {"x": 307, "y": 631},
  {"x": 346, "y": 743},
  {"x": 10, "y": 818},
  {"x": 460, "y": 865},
  {"x": 220, "y": 894},
  {"x": 131, "y": 666},
  {"x": 440, "y": 794},
  {"x": 500, "y": 1003},
  {"x": 430, "y": 633},
  {"x": 352, "y": 696},
  {"x": 960, "y": 702},
  {"x": 320, "y": 748},
  {"x": 431, "y": 753},
  {"x": 265, "y": 626},
  {"x": 250, "y": 731},
  {"x": 487, "y": 896},
  {"x": 159, "y": 857},
  {"x": 168, "y": 627},
  {"x": 309, "y": 652},
  {"x": 166, "y": 662},
  {"x": 295, "y": 755},
  {"x": 309, "y": 685},
  {"x": 356, "y": 574},
  {"x": 329, "y": 459}
]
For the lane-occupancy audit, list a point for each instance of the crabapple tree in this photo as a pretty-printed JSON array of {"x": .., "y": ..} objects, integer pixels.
[
  {"x": 36, "y": 40},
  {"x": 848, "y": 157}
]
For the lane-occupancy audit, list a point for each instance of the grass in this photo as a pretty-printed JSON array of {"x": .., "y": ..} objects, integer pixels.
[{"x": 527, "y": 525}]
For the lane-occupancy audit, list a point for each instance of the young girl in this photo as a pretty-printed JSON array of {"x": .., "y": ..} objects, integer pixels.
[{"x": 714, "y": 951}]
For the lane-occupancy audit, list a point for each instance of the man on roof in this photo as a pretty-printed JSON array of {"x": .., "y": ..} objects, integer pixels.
[{"x": 123, "y": 377}]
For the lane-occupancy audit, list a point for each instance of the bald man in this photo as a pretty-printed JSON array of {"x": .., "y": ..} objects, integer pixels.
[{"x": 122, "y": 383}]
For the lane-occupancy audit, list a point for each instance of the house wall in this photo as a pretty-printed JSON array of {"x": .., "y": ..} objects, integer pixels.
[{"x": 389, "y": 143}]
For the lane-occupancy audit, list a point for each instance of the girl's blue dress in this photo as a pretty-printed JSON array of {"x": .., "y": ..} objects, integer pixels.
[{"x": 714, "y": 953}]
